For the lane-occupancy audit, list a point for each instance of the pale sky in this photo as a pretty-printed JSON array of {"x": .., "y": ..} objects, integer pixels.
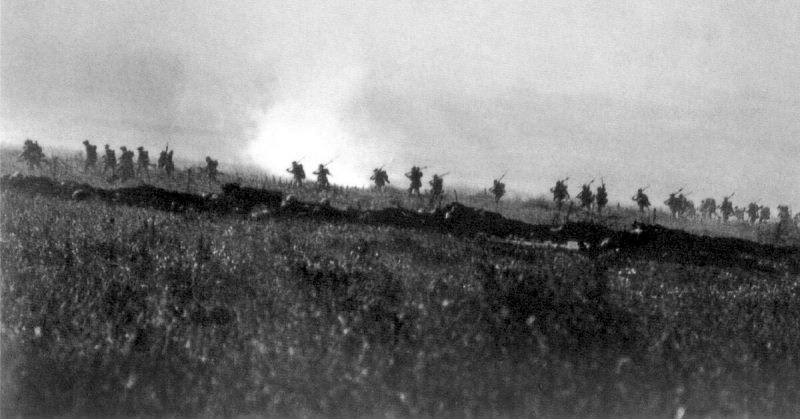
[{"x": 639, "y": 92}]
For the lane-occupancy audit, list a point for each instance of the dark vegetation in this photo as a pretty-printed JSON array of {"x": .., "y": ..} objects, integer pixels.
[{"x": 111, "y": 310}]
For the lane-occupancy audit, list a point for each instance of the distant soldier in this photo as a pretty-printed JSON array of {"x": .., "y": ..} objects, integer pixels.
[
  {"x": 739, "y": 213},
  {"x": 162, "y": 159},
  {"x": 674, "y": 205},
  {"x": 415, "y": 175},
  {"x": 169, "y": 166},
  {"x": 110, "y": 160},
  {"x": 322, "y": 173},
  {"x": 32, "y": 154},
  {"x": 641, "y": 200},
  {"x": 437, "y": 187},
  {"x": 165, "y": 161},
  {"x": 708, "y": 208},
  {"x": 498, "y": 189},
  {"x": 125, "y": 169},
  {"x": 298, "y": 173},
  {"x": 763, "y": 214},
  {"x": 783, "y": 214},
  {"x": 686, "y": 206},
  {"x": 601, "y": 197},
  {"x": 380, "y": 178},
  {"x": 211, "y": 168},
  {"x": 560, "y": 193},
  {"x": 143, "y": 162},
  {"x": 586, "y": 196},
  {"x": 726, "y": 208},
  {"x": 91, "y": 156},
  {"x": 752, "y": 212}
]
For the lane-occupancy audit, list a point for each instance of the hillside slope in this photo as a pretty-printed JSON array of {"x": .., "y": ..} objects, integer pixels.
[{"x": 110, "y": 310}]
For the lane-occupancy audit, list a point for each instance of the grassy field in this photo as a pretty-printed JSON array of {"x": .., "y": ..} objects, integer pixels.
[{"x": 119, "y": 311}]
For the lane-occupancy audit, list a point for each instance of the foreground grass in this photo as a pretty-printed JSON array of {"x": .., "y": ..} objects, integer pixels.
[{"x": 122, "y": 311}]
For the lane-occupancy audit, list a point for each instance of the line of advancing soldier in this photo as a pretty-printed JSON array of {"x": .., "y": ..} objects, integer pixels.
[
  {"x": 123, "y": 168},
  {"x": 678, "y": 203}
]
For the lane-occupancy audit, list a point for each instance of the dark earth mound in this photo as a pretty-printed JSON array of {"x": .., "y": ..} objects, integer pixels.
[{"x": 650, "y": 242}]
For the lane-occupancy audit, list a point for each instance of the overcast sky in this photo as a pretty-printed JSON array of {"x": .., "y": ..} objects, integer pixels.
[{"x": 664, "y": 93}]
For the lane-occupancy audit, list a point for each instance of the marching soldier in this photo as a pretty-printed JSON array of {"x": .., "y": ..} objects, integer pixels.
[
  {"x": 784, "y": 215},
  {"x": 739, "y": 213},
  {"x": 437, "y": 187},
  {"x": 298, "y": 173},
  {"x": 641, "y": 199},
  {"x": 211, "y": 168},
  {"x": 110, "y": 160},
  {"x": 586, "y": 196},
  {"x": 727, "y": 208},
  {"x": 708, "y": 208},
  {"x": 32, "y": 154},
  {"x": 143, "y": 162},
  {"x": 322, "y": 173},
  {"x": 415, "y": 175},
  {"x": 686, "y": 207},
  {"x": 560, "y": 193},
  {"x": 752, "y": 212},
  {"x": 498, "y": 189},
  {"x": 169, "y": 164},
  {"x": 763, "y": 214},
  {"x": 162, "y": 159},
  {"x": 91, "y": 156},
  {"x": 126, "y": 170},
  {"x": 674, "y": 205},
  {"x": 601, "y": 197},
  {"x": 380, "y": 178},
  {"x": 165, "y": 161}
]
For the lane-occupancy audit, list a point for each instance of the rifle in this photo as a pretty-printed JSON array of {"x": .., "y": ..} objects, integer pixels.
[
  {"x": 590, "y": 182},
  {"x": 645, "y": 188},
  {"x": 501, "y": 177},
  {"x": 300, "y": 159},
  {"x": 445, "y": 174},
  {"x": 731, "y": 195},
  {"x": 331, "y": 161}
]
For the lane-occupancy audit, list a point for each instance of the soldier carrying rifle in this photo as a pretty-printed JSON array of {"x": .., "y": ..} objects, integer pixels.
[
  {"x": 380, "y": 178},
  {"x": 415, "y": 175},
  {"x": 586, "y": 196},
  {"x": 601, "y": 197},
  {"x": 126, "y": 170},
  {"x": 641, "y": 199},
  {"x": 211, "y": 168},
  {"x": 32, "y": 154},
  {"x": 726, "y": 207},
  {"x": 498, "y": 189},
  {"x": 298, "y": 173},
  {"x": 437, "y": 187},
  {"x": 322, "y": 173},
  {"x": 165, "y": 161},
  {"x": 91, "y": 156},
  {"x": 560, "y": 193},
  {"x": 143, "y": 162},
  {"x": 110, "y": 160}
]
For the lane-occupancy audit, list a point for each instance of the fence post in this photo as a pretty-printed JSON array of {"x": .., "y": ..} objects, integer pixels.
[{"x": 189, "y": 181}]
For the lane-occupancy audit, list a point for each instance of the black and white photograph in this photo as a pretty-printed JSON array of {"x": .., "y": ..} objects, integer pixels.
[{"x": 400, "y": 209}]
